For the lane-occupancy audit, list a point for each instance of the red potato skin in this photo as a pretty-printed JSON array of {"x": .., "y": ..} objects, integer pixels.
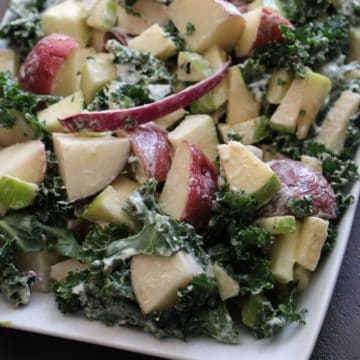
[
  {"x": 202, "y": 188},
  {"x": 269, "y": 29},
  {"x": 150, "y": 144},
  {"x": 299, "y": 180},
  {"x": 39, "y": 70},
  {"x": 111, "y": 120}
]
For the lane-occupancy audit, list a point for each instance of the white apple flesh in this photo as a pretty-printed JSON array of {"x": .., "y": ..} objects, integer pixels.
[
  {"x": 190, "y": 186},
  {"x": 110, "y": 120}
]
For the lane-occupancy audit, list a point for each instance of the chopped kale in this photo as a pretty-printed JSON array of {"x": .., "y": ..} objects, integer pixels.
[
  {"x": 190, "y": 29},
  {"x": 173, "y": 33},
  {"x": 301, "y": 207},
  {"x": 311, "y": 45},
  {"x": 16, "y": 103},
  {"x": 24, "y": 29},
  {"x": 265, "y": 317},
  {"x": 303, "y": 11},
  {"x": 142, "y": 65},
  {"x": 128, "y": 6}
]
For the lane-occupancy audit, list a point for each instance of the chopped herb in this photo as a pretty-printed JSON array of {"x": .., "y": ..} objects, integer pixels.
[{"x": 190, "y": 29}]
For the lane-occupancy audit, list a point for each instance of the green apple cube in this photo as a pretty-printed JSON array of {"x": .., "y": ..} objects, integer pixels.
[
  {"x": 279, "y": 84},
  {"x": 70, "y": 105},
  {"x": 310, "y": 242},
  {"x": 354, "y": 39},
  {"x": 107, "y": 207},
  {"x": 253, "y": 309},
  {"x": 316, "y": 90},
  {"x": 282, "y": 258},
  {"x": 245, "y": 172},
  {"x": 16, "y": 194},
  {"x": 98, "y": 71},
  {"x": 192, "y": 67},
  {"x": 69, "y": 18},
  {"x": 199, "y": 130},
  {"x": 334, "y": 128},
  {"x": 278, "y": 224},
  {"x": 205, "y": 105},
  {"x": 286, "y": 115},
  {"x": 241, "y": 105},
  {"x": 228, "y": 287},
  {"x": 248, "y": 132},
  {"x": 155, "y": 40},
  {"x": 103, "y": 15}
]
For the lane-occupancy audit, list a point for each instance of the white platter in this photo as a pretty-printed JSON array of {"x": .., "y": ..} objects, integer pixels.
[{"x": 296, "y": 343}]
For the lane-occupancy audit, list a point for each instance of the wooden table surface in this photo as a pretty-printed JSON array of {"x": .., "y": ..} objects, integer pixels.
[{"x": 338, "y": 340}]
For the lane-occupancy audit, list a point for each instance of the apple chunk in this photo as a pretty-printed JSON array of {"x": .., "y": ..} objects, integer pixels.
[
  {"x": 26, "y": 161},
  {"x": 262, "y": 26},
  {"x": 87, "y": 164},
  {"x": 190, "y": 186},
  {"x": 51, "y": 66},
  {"x": 221, "y": 24},
  {"x": 153, "y": 150},
  {"x": 156, "y": 279}
]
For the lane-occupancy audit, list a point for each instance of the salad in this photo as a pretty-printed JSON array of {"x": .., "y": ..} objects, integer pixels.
[{"x": 179, "y": 166}]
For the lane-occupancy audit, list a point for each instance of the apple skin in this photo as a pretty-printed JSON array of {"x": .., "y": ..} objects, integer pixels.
[
  {"x": 269, "y": 29},
  {"x": 150, "y": 143},
  {"x": 110, "y": 120},
  {"x": 38, "y": 73},
  {"x": 200, "y": 186}
]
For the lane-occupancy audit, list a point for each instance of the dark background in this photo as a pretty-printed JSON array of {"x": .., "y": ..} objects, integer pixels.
[{"x": 339, "y": 338}]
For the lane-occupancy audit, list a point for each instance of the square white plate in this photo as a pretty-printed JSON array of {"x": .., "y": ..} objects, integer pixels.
[{"x": 42, "y": 316}]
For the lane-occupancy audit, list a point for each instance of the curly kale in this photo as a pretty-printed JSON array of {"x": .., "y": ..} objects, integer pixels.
[
  {"x": 104, "y": 291},
  {"x": 139, "y": 65},
  {"x": 173, "y": 33},
  {"x": 128, "y": 6},
  {"x": 24, "y": 29},
  {"x": 301, "y": 207},
  {"x": 265, "y": 317},
  {"x": 311, "y": 45},
  {"x": 16, "y": 103},
  {"x": 303, "y": 11}
]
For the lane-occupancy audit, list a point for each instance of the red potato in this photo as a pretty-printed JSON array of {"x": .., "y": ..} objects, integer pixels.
[
  {"x": 190, "y": 186},
  {"x": 269, "y": 29},
  {"x": 99, "y": 39},
  {"x": 126, "y": 118},
  {"x": 262, "y": 26},
  {"x": 44, "y": 68},
  {"x": 299, "y": 180},
  {"x": 153, "y": 150}
]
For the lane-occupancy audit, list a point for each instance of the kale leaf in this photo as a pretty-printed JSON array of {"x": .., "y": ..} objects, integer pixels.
[
  {"x": 128, "y": 6},
  {"x": 311, "y": 45},
  {"x": 140, "y": 65},
  {"x": 24, "y": 29},
  {"x": 303, "y": 11},
  {"x": 265, "y": 317},
  {"x": 16, "y": 103},
  {"x": 302, "y": 206},
  {"x": 173, "y": 33},
  {"x": 160, "y": 235}
]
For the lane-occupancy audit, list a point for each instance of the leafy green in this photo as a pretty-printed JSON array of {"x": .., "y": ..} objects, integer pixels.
[
  {"x": 24, "y": 29},
  {"x": 140, "y": 64},
  {"x": 104, "y": 291},
  {"x": 28, "y": 235},
  {"x": 108, "y": 297},
  {"x": 266, "y": 317},
  {"x": 123, "y": 95},
  {"x": 161, "y": 234},
  {"x": 173, "y": 33},
  {"x": 51, "y": 205},
  {"x": 16, "y": 103},
  {"x": 311, "y": 45},
  {"x": 301, "y": 207},
  {"x": 303, "y": 11},
  {"x": 128, "y": 6},
  {"x": 16, "y": 286}
]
